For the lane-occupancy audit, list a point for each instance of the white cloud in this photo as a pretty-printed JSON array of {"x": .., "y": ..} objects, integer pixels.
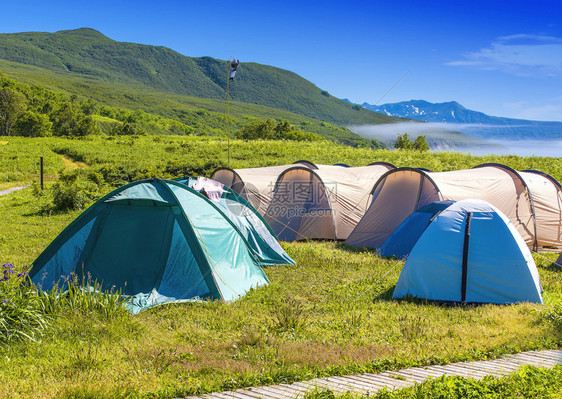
[
  {"x": 523, "y": 55},
  {"x": 549, "y": 110}
]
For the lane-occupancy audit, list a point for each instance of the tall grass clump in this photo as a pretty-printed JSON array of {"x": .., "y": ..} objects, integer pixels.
[
  {"x": 21, "y": 313},
  {"x": 84, "y": 296}
]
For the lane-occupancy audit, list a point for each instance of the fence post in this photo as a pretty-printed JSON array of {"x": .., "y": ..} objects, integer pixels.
[{"x": 41, "y": 173}]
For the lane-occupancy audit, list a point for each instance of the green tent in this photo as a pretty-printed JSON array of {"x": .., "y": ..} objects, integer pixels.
[
  {"x": 251, "y": 225},
  {"x": 156, "y": 240}
]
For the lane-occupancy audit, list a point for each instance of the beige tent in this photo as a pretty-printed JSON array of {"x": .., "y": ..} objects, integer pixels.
[
  {"x": 322, "y": 203},
  {"x": 531, "y": 200},
  {"x": 255, "y": 185}
]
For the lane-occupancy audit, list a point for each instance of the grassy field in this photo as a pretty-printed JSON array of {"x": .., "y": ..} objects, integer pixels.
[{"x": 329, "y": 315}]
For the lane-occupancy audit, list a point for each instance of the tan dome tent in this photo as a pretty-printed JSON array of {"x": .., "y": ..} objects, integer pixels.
[
  {"x": 325, "y": 203},
  {"x": 402, "y": 191},
  {"x": 255, "y": 185},
  {"x": 546, "y": 193}
]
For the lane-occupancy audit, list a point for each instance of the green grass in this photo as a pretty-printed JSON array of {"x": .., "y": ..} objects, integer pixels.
[
  {"x": 172, "y": 156},
  {"x": 329, "y": 315}
]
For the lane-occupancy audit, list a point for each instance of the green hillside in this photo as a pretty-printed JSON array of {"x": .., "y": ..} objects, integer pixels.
[
  {"x": 90, "y": 54},
  {"x": 198, "y": 116}
]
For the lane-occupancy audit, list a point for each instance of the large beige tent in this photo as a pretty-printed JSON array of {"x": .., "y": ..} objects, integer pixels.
[
  {"x": 255, "y": 185},
  {"x": 322, "y": 203},
  {"x": 531, "y": 200}
]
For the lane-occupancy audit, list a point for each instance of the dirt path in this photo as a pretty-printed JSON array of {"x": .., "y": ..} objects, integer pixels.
[
  {"x": 10, "y": 190},
  {"x": 70, "y": 164}
]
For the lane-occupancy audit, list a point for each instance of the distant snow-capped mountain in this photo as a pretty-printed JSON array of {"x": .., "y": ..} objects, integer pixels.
[{"x": 481, "y": 125}]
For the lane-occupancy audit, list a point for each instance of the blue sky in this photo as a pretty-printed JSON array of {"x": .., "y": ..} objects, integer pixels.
[{"x": 503, "y": 58}]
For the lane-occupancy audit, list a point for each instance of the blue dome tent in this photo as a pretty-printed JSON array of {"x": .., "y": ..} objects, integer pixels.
[
  {"x": 402, "y": 240},
  {"x": 470, "y": 253}
]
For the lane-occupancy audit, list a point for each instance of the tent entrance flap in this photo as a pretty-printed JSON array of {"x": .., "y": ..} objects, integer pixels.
[{"x": 117, "y": 242}]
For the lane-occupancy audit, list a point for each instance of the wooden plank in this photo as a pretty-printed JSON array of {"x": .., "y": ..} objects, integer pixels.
[
  {"x": 407, "y": 376},
  {"x": 527, "y": 361},
  {"x": 430, "y": 372},
  {"x": 419, "y": 372},
  {"x": 467, "y": 372},
  {"x": 556, "y": 356},
  {"x": 220, "y": 395},
  {"x": 321, "y": 383},
  {"x": 289, "y": 390},
  {"x": 389, "y": 382},
  {"x": 240, "y": 395},
  {"x": 371, "y": 382},
  {"x": 460, "y": 372},
  {"x": 304, "y": 384},
  {"x": 536, "y": 361},
  {"x": 345, "y": 384},
  {"x": 271, "y": 392},
  {"x": 482, "y": 367},
  {"x": 388, "y": 374},
  {"x": 294, "y": 387},
  {"x": 257, "y": 393},
  {"x": 365, "y": 384},
  {"x": 511, "y": 367}
]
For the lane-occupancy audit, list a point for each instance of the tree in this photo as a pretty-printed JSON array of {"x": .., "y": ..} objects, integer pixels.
[
  {"x": 258, "y": 130},
  {"x": 420, "y": 144},
  {"x": 12, "y": 105},
  {"x": 403, "y": 142},
  {"x": 33, "y": 124},
  {"x": 69, "y": 120}
]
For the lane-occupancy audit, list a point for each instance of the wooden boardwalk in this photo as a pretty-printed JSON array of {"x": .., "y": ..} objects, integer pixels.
[{"x": 370, "y": 383}]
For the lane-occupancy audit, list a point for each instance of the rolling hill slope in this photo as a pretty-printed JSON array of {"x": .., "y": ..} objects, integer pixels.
[{"x": 92, "y": 55}]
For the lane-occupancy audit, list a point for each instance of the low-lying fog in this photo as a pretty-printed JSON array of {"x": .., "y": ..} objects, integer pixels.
[{"x": 441, "y": 132}]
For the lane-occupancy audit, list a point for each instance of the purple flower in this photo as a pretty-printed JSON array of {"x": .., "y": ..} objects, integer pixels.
[
  {"x": 5, "y": 300},
  {"x": 8, "y": 266},
  {"x": 24, "y": 274}
]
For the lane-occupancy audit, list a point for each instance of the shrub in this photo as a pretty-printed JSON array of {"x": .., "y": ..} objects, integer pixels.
[
  {"x": 268, "y": 130},
  {"x": 76, "y": 189}
]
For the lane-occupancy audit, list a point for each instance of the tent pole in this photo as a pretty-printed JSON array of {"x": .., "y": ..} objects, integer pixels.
[{"x": 228, "y": 111}]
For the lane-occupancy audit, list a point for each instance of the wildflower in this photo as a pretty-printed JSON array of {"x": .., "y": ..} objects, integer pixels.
[
  {"x": 8, "y": 266},
  {"x": 5, "y": 300},
  {"x": 24, "y": 274}
]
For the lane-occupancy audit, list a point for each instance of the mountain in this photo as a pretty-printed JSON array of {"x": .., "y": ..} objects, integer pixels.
[
  {"x": 478, "y": 123},
  {"x": 88, "y": 53}
]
